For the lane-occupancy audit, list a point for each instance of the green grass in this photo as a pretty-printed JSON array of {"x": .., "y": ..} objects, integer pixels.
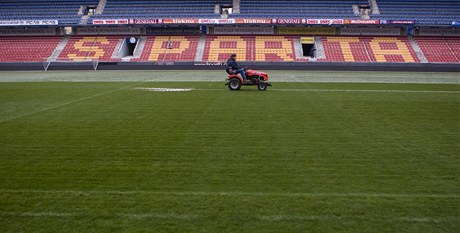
[{"x": 300, "y": 157}]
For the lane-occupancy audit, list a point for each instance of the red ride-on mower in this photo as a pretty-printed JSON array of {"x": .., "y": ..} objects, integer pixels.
[{"x": 253, "y": 77}]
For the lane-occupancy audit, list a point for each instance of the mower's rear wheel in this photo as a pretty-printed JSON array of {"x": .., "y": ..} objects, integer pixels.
[
  {"x": 262, "y": 86},
  {"x": 234, "y": 84}
]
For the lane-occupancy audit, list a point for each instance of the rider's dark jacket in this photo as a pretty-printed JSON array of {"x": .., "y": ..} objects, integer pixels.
[{"x": 231, "y": 63}]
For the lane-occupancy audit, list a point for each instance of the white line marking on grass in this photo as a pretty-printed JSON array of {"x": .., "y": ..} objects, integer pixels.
[
  {"x": 350, "y": 90},
  {"x": 264, "y": 194},
  {"x": 67, "y": 103},
  {"x": 276, "y": 218},
  {"x": 343, "y": 90},
  {"x": 164, "y": 89},
  {"x": 37, "y": 214},
  {"x": 122, "y": 215},
  {"x": 158, "y": 216}
]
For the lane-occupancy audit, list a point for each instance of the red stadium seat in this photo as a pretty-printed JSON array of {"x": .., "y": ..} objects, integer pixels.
[{"x": 27, "y": 49}]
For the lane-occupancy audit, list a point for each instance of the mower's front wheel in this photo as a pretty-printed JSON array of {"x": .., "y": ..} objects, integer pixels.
[
  {"x": 234, "y": 84},
  {"x": 262, "y": 86}
]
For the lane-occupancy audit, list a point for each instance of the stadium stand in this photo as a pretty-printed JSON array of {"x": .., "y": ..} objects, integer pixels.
[
  {"x": 422, "y": 11},
  {"x": 64, "y": 11},
  {"x": 90, "y": 47},
  {"x": 299, "y": 8},
  {"x": 68, "y": 12},
  {"x": 249, "y": 48},
  {"x": 368, "y": 49},
  {"x": 263, "y": 48},
  {"x": 440, "y": 49},
  {"x": 27, "y": 49},
  {"x": 160, "y": 8},
  {"x": 169, "y": 48}
]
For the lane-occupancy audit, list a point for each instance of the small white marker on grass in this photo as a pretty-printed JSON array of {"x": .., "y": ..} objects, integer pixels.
[{"x": 164, "y": 89}]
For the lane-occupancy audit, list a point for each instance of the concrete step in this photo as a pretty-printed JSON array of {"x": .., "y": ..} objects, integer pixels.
[
  {"x": 374, "y": 7},
  {"x": 356, "y": 10},
  {"x": 84, "y": 19},
  {"x": 139, "y": 47},
  {"x": 117, "y": 51},
  {"x": 236, "y": 6},
  {"x": 417, "y": 50},
  {"x": 100, "y": 7},
  {"x": 200, "y": 48},
  {"x": 298, "y": 48},
  {"x": 319, "y": 47},
  {"x": 58, "y": 50}
]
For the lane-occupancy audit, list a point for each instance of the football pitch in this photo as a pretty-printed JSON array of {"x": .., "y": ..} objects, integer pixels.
[{"x": 176, "y": 151}]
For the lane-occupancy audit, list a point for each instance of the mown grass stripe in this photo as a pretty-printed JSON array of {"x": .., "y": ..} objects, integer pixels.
[{"x": 236, "y": 193}]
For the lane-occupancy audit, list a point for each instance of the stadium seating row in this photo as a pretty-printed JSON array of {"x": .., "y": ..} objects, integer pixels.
[
  {"x": 170, "y": 48},
  {"x": 219, "y": 48},
  {"x": 160, "y": 9},
  {"x": 427, "y": 12},
  {"x": 83, "y": 48},
  {"x": 368, "y": 49},
  {"x": 67, "y": 12},
  {"x": 299, "y": 8},
  {"x": 440, "y": 49},
  {"x": 21, "y": 49}
]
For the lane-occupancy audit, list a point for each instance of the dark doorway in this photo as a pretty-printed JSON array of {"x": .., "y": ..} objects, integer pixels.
[
  {"x": 131, "y": 45},
  {"x": 307, "y": 50}
]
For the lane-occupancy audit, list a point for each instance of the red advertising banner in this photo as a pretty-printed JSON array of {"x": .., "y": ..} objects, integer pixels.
[
  {"x": 216, "y": 21},
  {"x": 180, "y": 21},
  {"x": 362, "y": 21},
  {"x": 246, "y": 21},
  {"x": 254, "y": 21},
  {"x": 325, "y": 21},
  {"x": 110, "y": 21},
  {"x": 146, "y": 21},
  {"x": 289, "y": 21}
]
